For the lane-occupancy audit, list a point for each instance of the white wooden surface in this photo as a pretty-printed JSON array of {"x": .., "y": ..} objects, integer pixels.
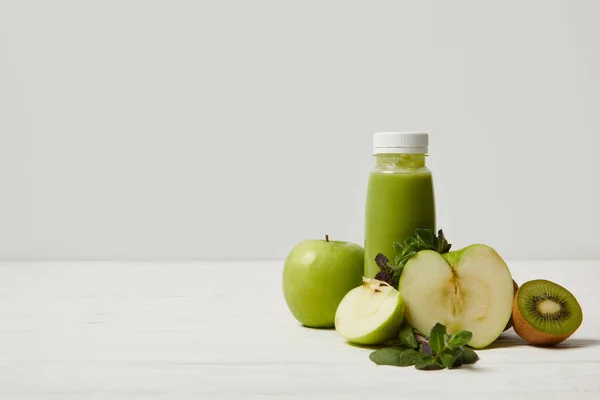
[{"x": 221, "y": 330}]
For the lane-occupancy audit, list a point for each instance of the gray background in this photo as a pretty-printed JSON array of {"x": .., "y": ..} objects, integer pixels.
[{"x": 159, "y": 130}]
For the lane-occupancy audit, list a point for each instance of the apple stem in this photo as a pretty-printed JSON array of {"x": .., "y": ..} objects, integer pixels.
[{"x": 327, "y": 238}]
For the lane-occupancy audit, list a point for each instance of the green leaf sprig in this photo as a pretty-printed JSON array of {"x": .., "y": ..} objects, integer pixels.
[
  {"x": 438, "y": 351},
  {"x": 424, "y": 239}
]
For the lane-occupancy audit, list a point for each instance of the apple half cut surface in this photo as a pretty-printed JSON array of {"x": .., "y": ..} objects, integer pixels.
[
  {"x": 470, "y": 289},
  {"x": 370, "y": 314}
]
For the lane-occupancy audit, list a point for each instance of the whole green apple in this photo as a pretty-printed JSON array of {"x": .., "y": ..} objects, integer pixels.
[{"x": 317, "y": 275}]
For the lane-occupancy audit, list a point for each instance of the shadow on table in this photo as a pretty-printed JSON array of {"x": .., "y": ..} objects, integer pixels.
[
  {"x": 364, "y": 346},
  {"x": 511, "y": 339},
  {"x": 507, "y": 339},
  {"x": 575, "y": 343}
]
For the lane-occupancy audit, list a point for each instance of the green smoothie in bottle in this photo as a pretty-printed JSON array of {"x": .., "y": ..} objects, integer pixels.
[{"x": 400, "y": 195}]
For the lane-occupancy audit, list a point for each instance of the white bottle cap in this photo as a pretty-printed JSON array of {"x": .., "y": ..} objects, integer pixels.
[{"x": 400, "y": 143}]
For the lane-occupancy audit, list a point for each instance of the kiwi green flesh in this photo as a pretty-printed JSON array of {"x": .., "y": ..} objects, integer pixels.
[{"x": 549, "y": 307}]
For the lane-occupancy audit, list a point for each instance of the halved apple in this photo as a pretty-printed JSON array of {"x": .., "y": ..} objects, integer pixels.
[
  {"x": 370, "y": 314},
  {"x": 470, "y": 289}
]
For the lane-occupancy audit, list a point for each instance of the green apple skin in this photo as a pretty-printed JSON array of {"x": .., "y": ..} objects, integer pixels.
[
  {"x": 382, "y": 330},
  {"x": 454, "y": 257},
  {"x": 387, "y": 331},
  {"x": 317, "y": 274}
]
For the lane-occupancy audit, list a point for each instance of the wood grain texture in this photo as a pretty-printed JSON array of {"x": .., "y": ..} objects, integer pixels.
[{"x": 221, "y": 330}]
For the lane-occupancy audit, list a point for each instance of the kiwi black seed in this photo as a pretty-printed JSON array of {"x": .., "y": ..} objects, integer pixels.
[{"x": 545, "y": 313}]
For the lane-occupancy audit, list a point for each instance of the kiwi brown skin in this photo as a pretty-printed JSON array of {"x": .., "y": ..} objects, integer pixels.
[
  {"x": 510, "y": 321},
  {"x": 529, "y": 333}
]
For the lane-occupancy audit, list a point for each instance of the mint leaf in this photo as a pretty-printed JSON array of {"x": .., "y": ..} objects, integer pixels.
[
  {"x": 411, "y": 242},
  {"x": 428, "y": 363},
  {"x": 435, "y": 352},
  {"x": 404, "y": 252},
  {"x": 443, "y": 245},
  {"x": 396, "y": 278},
  {"x": 426, "y": 236},
  {"x": 468, "y": 356},
  {"x": 435, "y": 244},
  {"x": 427, "y": 240},
  {"x": 437, "y": 338},
  {"x": 409, "y": 357},
  {"x": 459, "y": 339},
  {"x": 425, "y": 348},
  {"x": 395, "y": 356},
  {"x": 449, "y": 356},
  {"x": 424, "y": 343},
  {"x": 384, "y": 276},
  {"x": 398, "y": 247},
  {"x": 382, "y": 262},
  {"x": 386, "y": 356},
  {"x": 458, "y": 362},
  {"x": 407, "y": 337}
]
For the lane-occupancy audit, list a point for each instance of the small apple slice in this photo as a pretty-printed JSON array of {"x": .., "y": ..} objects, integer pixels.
[
  {"x": 470, "y": 289},
  {"x": 371, "y": 313}
]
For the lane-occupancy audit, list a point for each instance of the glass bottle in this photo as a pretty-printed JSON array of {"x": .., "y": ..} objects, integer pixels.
[{"x": 400, "y": 194}]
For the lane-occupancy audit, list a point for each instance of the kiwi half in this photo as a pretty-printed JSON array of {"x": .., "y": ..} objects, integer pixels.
[{"x": 545, "y": 313}]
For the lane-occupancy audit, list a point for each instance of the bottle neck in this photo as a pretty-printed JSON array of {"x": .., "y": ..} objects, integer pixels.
[{"x": 400, "y": 161}]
